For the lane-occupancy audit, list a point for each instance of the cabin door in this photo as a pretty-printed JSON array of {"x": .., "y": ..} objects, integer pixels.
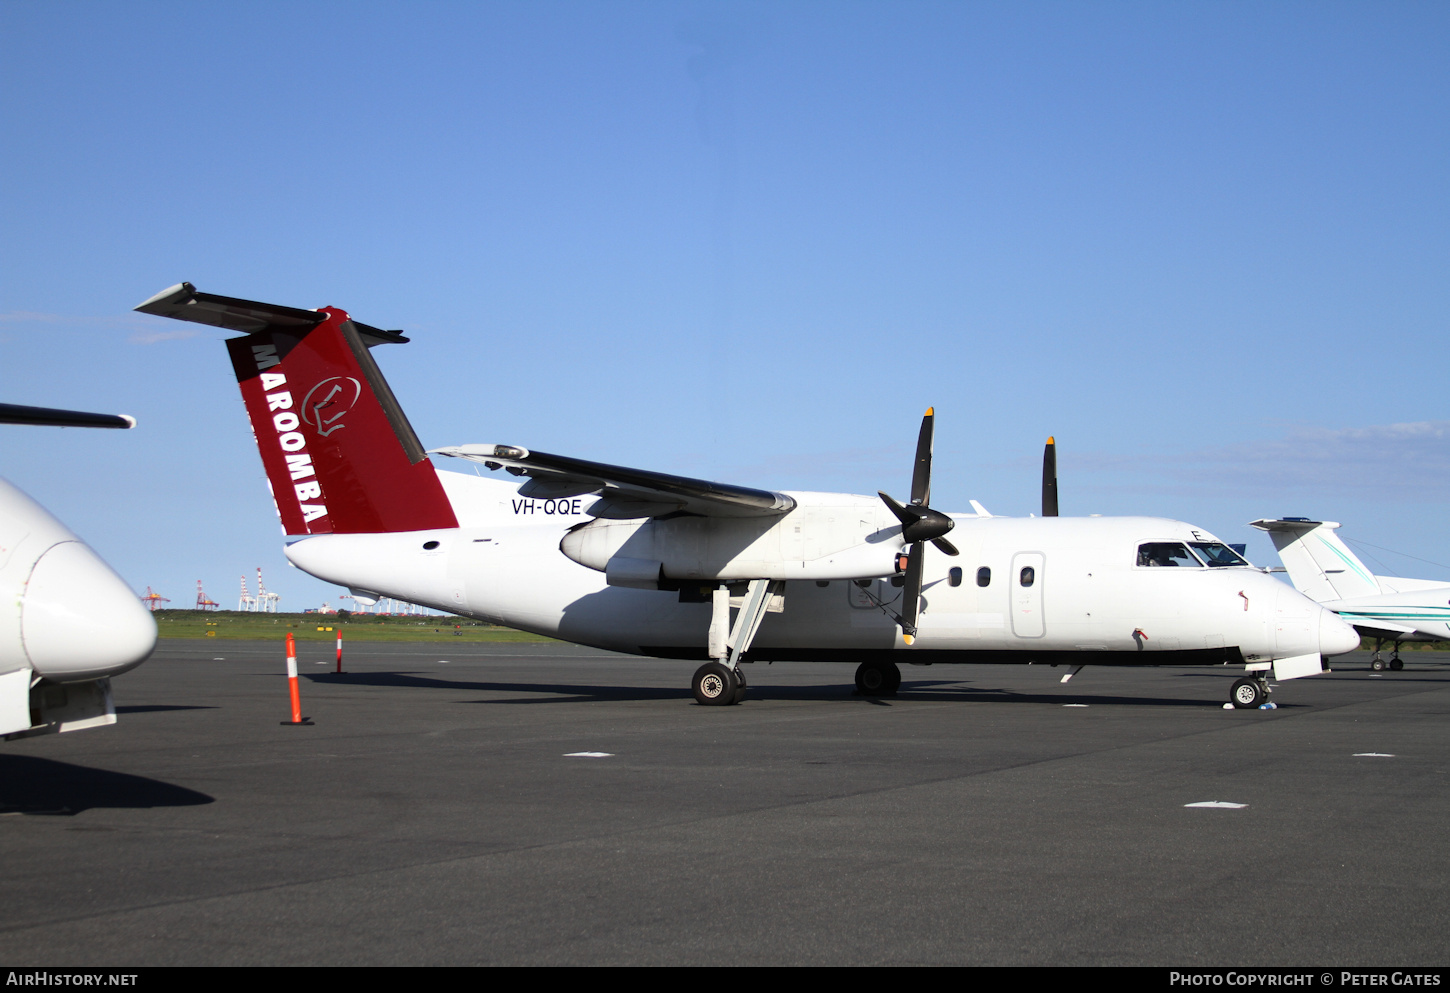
[{"x": 1026, "y": 579}]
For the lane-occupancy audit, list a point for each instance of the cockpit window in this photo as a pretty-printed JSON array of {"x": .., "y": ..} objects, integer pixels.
[
  {"x": 1216, "y": 553},
  {"x": 1166, "y": 553}
]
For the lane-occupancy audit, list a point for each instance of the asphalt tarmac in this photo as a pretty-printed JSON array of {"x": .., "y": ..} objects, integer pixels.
[{"x": 437, "y": 813}]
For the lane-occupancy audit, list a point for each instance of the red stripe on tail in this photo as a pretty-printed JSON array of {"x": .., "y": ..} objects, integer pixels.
[{"x": 340, "y": 456}]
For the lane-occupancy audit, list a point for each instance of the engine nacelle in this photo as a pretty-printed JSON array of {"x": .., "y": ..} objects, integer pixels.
[{"x": 826, "y": 537}]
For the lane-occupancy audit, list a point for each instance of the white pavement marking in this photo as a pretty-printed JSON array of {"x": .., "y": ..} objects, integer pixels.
[
  {"x": 1373, "y": 755},
  {"x": 1217, "y": 804},
  {"x": 588, "y": 755},
  {"x": 1074, "y": 705}
]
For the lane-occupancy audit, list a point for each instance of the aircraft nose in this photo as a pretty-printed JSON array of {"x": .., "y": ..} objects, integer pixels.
[
  {"x": 1336, "y": 636},
  {"x": 79, "y": 620}
]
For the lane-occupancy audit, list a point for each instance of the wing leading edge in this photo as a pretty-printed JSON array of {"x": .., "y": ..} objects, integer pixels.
[{"x": 624, "y": 493}]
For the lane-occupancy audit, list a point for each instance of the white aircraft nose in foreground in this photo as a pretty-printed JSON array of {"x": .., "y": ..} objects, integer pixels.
[
  {"x": 69, "y": 622},
  {"x": 649, "y": 563}
]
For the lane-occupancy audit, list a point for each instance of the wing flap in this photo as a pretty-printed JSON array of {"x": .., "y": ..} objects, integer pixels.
[{"x": 625, "y": 493}]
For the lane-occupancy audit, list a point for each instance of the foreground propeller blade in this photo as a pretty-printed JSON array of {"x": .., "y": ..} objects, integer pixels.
[
  {"x": 921, "y": 473},
  {"x": 911, "y": 591},
  {"x": 1049, "y": 479},
  {"x": 919, "y": 525}
]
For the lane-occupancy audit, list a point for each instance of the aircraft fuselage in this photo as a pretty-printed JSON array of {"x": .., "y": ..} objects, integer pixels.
[{"x": 1041, "y": 589}]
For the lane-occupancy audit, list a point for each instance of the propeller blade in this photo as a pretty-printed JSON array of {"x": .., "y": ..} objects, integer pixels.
[
  {"x": 911, "y": 591},
  {"x": 945, "y": 546},
  {"x": 921, "y": 473},
  {"x": 1049, "y": 479},
  {"x": 902, "y": 514}
]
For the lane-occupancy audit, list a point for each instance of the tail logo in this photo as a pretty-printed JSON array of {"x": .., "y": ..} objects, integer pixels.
[{"x": 328, "y": 402}]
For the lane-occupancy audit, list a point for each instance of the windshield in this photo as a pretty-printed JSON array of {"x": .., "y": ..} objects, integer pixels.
[
  {"x": 1217, "y": 554},
  {"x": 1166, "y": 553}
]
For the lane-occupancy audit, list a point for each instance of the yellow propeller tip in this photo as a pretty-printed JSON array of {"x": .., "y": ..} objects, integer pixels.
[
  {"x": 929, "y": 412},
  {"x": 907, "y": 638},
  {"x": 1050, "y": 441}
]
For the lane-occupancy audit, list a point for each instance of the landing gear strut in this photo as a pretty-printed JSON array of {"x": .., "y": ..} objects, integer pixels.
[
  {"x": 878, "y": 679},
  {"x": 1248, "y": 693},
  {"x": 721, "y": 683},
  {"x": 1379, "y": 665}
]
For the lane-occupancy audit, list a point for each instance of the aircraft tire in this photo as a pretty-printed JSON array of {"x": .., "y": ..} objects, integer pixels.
[
  {"x": 1246, "y": 694},
  {"x": 877, "y": 678},
  {"x": 1396, "y": 664},
  {"x": 1378, "y": 665},
  {"x": 714, "y": 685}
]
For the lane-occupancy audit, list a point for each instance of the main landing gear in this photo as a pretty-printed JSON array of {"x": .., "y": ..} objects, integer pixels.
[
  {"x": 878, "y": 679},
  {"x": 1379, "y": 665},
  {"x": 721, "y": 683},
  {"x": 1248, "y": 693},
  {"x": 718, "y": 685}
]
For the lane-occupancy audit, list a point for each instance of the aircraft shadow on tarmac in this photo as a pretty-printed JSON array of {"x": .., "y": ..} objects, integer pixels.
[
  {"x": 160, "y": 708},
  {"x": 915, "y": 690},
  {"x": 31, "y": 785}
]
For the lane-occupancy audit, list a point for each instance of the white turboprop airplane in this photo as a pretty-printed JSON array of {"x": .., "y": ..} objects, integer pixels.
[
  {"x": 1385, "y": 608},
  {"x": 69, "y": 622},
  {"x": 653, "y": 564}
]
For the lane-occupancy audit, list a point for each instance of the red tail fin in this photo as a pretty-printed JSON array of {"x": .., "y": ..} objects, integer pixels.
[{"x": 339, "y": 454}]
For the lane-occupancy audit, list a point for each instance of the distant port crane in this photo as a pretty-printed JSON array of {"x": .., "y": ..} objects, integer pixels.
[
  {"x": 247, "y": 603},
  {"x": 154, "y": 600},
  {"x": 266, "y": 599},
  {"x": 204, "y": 602}
]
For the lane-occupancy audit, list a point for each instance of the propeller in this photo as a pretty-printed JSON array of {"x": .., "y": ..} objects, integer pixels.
[
  {"x": 919, "y": 525},
  {"x": 1049, "y": 479}
]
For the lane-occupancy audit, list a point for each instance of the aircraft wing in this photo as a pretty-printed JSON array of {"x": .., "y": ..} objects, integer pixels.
[
  {"x": 624, "y": 494},
  {"x": 14, "y": 413}
]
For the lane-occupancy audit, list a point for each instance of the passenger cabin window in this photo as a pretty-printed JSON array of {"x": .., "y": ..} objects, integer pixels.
[
  {"x": 1027, "y": 576},
  {"x": 954, "y": 576},
  {"x": 1217, "y": 554},
  {"x": 1166, "y": 553},
  {"x": 984, "y": 576}
]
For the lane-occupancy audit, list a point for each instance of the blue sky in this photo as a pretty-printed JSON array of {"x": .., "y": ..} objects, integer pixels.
[{"x": 1203, "y": 244}]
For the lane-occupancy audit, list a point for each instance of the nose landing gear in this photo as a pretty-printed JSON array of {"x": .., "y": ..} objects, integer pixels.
[{"x": 878, "y": 679}]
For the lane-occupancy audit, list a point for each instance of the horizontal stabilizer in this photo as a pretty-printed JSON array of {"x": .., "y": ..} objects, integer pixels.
[
  {"x": 1291, "y": 525},
  {"x": 626, "y": 493},
  {"x": 184, "y": 302}
]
